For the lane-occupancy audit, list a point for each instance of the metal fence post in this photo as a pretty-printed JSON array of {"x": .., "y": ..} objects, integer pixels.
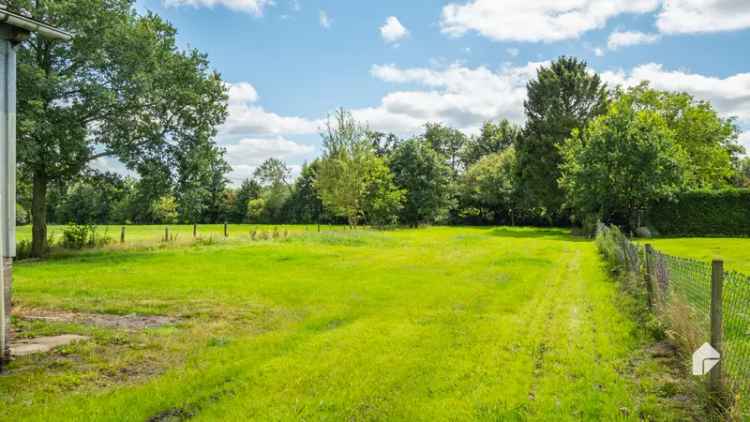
[
  {"x": 166, "y": 233},
  {"x": 122, "y": 234},
  {"x": 648, "y": 276},
  {"x": 717, "y": 287},
  {"x": 226, "y": 230},
  {"x": 195, "y": 230}
]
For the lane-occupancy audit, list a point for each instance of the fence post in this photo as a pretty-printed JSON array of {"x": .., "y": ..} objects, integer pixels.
[
  {"x": 195, "y": 230},
  {"x": 166, "y": 233},
  {"x": 122, "y": 234},
  {"x": 649, "y": 278},
  {"x": 226, "y": 230},
  {"x": 717, "y": 288}
]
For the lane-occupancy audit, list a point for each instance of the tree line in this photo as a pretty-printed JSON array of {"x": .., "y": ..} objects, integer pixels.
[
  {"x": 586, "y": 153},
  {"x": 122, "y": 89}
]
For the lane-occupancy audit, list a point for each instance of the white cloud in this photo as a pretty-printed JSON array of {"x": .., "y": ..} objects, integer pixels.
[
  {"x": 456, "y": 95},
  {"x": 254, "y": 7},
  {"x": 537, "y": 20},
  {"x": 247, "y": 154},
  {"x": 392, "y": 31},
  {"x": 689, "y": 16},
  {"x": 514, "y": 52},
  {"x": 325, "y": 21},
  {"x": 730, "y": 95},
  {"x": 599, "y": 52},
  {"x": 619, "y": 39},
  {"x": 745, "y": 140},
  {"x": 246, "y": 118},
  {"x": 242, "y": 92}
]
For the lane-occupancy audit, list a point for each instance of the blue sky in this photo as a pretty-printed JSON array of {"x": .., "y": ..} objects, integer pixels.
[{"x": 399, "y": 64}]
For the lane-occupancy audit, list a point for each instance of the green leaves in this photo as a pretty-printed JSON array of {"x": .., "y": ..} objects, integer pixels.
[
  {"x": 425, "y": 177},
  {"x": 353, "y": 182},
  {"x": 564, "y": 96},
  {"x": 622, "y": 162},
  {"x": 120, "y": 88}
]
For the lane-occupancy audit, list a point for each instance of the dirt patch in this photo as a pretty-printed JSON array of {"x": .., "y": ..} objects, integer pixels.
[
  {"x": 131, "y": 322},
  {"x": 171, "y": 415}
]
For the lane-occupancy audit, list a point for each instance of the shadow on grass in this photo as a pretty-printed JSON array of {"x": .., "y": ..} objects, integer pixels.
[{"x": 537, "y": 233}]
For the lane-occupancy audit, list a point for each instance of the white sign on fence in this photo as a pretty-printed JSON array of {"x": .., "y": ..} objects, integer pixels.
[{"x": 704, "y": 359}]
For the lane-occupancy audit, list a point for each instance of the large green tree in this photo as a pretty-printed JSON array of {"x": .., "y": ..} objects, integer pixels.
[
  {"x": 709, "y": 140},
  {"x": 448, "y": 142},
  {"x": 249, "y": 190},
  {"x": 353, "y": 182},
  {"x": 305, "y": 205},
  {"x": 621, "y": 163},
  {"x": 564, "y": 96},
  {"x": 93, "y": 199},
  {"x": 494, "y": 138},
  {"x": 273, "y": 175},
  {"x": 490, "y": 186},
  {"x": 201, "y": 183},
  {"x": 425, "y": 177},
  {"x": 121, "y": 88}
]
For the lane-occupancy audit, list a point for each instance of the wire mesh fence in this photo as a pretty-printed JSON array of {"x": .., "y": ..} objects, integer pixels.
[{"x": 679, "y": 292}]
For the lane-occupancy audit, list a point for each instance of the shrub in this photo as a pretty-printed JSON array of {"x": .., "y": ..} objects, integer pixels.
[
  {"x": 79, "y": 236},
  {"x": 703, "y": 213}
]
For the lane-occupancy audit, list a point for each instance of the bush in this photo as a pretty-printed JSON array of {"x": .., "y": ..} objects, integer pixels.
[
  {"x": 77, "y": 236},
  {"x": 703, "y": 213}
]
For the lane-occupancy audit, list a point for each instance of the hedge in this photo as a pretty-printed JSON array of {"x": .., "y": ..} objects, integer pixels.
[{"x": 703, "y": 213}]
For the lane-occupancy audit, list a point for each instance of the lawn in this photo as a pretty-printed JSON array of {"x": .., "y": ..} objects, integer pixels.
[
  {"x": 154, "y": 233},
  {"x": 430, "y": 324},
  {"x": 734, "y": 251}
]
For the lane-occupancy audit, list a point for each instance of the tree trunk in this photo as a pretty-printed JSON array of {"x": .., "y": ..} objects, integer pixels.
[{"x": 39, "y": 215}]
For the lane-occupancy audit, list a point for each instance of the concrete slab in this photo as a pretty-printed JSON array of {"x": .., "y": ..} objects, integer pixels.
[{"x": 43, "y": 344}]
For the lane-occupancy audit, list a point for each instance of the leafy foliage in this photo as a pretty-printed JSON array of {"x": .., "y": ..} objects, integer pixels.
[
  {"x": 448, "y": 142},
  {"x": 723, "y": 212},
  {"x": 79, "y": 236},
  {"x": 622, "y": 162},
  {"x": 352, "y": 181},
  {"x": 425, "y": 178},
  {"x": 164, "y": 210},
  {"x": 564, "y": 96},
  {"x": 121, "y": 88},
  {"x": 494, "y": 138},
  {"x": 709, "y": 140},
  {"x": 490, "y": 187}
]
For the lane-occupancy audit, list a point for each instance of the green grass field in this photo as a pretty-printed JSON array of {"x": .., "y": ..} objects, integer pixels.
[
  {"x": 154, "y": 233},
  {"x": 734, "y": 251},
  {"x": 430, "y": 324}
]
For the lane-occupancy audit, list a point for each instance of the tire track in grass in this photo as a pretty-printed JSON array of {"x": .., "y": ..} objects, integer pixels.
[
  {"x": 578, "y": 378},
  {"x": 544, "y": 313}
]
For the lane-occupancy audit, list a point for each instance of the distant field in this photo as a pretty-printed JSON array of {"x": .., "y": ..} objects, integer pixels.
[
  {"x": 431, "y": 324},
  {"x": 734, "y": 251},
  {"x": 147, "y": 233}
]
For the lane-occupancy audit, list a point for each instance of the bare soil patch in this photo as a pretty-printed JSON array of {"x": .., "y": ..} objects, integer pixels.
[{"x": 132, "y": 322}]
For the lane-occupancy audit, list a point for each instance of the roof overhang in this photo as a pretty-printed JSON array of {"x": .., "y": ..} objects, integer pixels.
[{"x": 26, "y": 25}]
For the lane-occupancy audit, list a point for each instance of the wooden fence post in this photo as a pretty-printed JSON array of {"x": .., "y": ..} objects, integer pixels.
[
  {"x": 717, "y": 288},
  {"x": 649, "y": 278},
  {"x": 166, "y": 233},
  {"x": 122, "y": 234},
  {"x": 195, "y": 230},
  {"x": 226, "y": 230}
]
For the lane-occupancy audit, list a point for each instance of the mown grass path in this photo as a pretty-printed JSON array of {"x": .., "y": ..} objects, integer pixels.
[{"x": 432, "y": 324}]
